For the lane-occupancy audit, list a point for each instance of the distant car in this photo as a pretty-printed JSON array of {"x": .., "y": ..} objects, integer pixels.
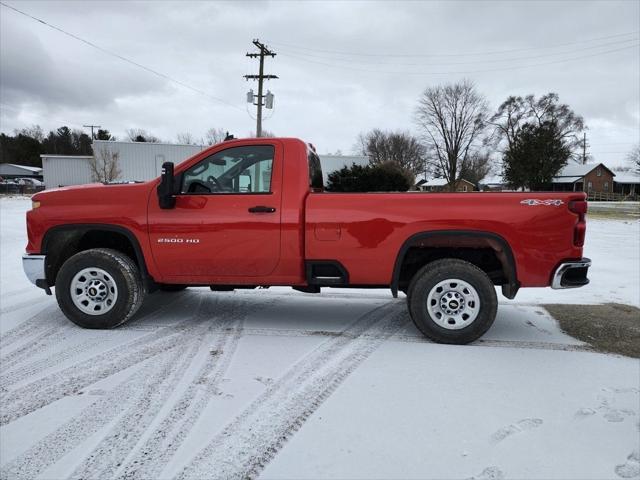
[
  {"x": 31, "y": 182},
  {"x": 9, "y": 186}
]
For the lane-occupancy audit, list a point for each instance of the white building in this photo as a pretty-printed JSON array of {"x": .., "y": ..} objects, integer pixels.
[
  {"x": 136, "y": 160},
  {"x": 11, "y": 170},
  {"x": 143, "y": 161}
]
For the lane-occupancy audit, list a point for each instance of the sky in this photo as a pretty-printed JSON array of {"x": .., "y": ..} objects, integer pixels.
[{"x": 344, "y": 67}]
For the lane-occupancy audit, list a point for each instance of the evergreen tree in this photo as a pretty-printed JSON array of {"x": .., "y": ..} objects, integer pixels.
[
  {"x": 386, "y": 177},
  {"x": 535, "y": 156}
]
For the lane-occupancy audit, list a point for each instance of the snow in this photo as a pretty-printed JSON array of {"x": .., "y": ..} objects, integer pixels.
[
  {"x": 577, "y": 170},
  {"x": 280, "y": 384},
  {"x": 627, "y": 177}
]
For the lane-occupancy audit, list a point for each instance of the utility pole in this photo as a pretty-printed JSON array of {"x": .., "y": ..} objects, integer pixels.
[
  {"x": 263, "y": 52},
  {"x": 92, "y": 127},
  {"x": 584, "y": 148}
]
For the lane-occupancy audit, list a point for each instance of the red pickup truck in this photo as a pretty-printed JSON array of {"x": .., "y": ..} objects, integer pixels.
[{"x": 252, "y": 213}]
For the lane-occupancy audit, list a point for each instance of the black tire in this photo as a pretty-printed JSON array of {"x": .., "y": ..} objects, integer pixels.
[
  {"x": 428, "y": 278},
  {"x": 126, "y": 279},
  {"x": 172, "y": 287}
]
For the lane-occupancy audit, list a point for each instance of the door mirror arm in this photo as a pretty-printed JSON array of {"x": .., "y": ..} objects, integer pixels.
[{"x": 166, "y": 187}]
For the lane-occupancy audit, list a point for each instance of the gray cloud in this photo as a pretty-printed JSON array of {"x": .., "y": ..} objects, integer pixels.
[{"x": 323, "y": 97}]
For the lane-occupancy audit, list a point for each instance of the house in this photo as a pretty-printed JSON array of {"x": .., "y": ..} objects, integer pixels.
[
  {"x": 441, "y": 185},
  {"x": 493, "y": 183},
  {"x": 588, "y": 177},
  {"x": 627, "y": 183},
  {"x": 11, "y": 170}
]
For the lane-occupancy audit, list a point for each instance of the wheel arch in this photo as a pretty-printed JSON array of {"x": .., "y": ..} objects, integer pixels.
[
  {"x": 461, "y": 239},
  {"x": 66, "y": 240}
]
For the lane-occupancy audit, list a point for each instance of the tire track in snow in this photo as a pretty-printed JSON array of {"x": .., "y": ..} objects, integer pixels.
[
  {"x": 28, "y": 327},
  {"x": 14, "y": 293},
  {"x": 150, "y": 459},
  {"x": 11, "y": 375},
  {"x": 47, "y": 336},
  {"x": 111, "y": 452},
  {"x": 248, "y": 443},
  {"x": 125, "y": 397},
  {"x": 24, "y": 304},
  {"x": 123, "y": 436},
  {"x": 418, "y": 338},
  {"x": 70, "y": 380}
]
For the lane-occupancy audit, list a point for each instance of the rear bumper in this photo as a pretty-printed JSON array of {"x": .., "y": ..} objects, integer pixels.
[
  {"x": 571, "y": 274},
  {"x": 34, "y": 269}
]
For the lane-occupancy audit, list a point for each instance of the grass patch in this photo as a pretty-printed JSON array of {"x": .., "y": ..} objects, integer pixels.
[
  {"x": 609, "y": 328},
  {"x": 611, "y": 215}
]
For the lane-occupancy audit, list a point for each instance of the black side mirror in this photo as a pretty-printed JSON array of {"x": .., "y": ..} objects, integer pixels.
[{"x": 166, "y": 196}]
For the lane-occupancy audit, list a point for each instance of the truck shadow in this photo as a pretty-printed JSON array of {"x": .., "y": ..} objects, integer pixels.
[{"x": 289, "y": 313}]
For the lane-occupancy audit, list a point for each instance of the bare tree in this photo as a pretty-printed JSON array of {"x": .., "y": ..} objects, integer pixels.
[
  {"x": 400, "y": 148},
  {"x": 452, "y": 118},
  {"x": 105, "y": 166},
  {"x": 215, "y": 135},
  {"x": 34, "y": 131},
  {"x": 633, "y": 158},
  {"x": 141, "y": 135},
  {"x": 517, "y": 111},
  {"x": 185, "y": 138},
  {"x": 477, "y": 166}
]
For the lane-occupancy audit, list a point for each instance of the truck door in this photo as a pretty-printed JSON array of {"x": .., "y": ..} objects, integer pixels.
[{"x": 226, "y": 221}]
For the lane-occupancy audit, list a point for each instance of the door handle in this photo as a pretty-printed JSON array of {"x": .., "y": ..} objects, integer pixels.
[{"x": 261, "y": 209}]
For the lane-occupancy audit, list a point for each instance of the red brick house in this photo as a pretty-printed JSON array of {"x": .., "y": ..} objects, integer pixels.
[{"x": 588, "y": 177}]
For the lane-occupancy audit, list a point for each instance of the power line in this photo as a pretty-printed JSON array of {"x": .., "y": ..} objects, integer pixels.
[
  {"x": 48, "y": 118},
  {"x": 515, "y": 67},
  {"x": 92, "y": 127},
  {"x": 497, "y": 52},
  {"x": 120, "y": 57},
  {"x": 263, "y": 52},
  {"x": 470, "y": 62}
]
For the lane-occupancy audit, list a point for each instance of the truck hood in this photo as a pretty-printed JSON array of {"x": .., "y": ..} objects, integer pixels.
[{"x": 95, "y": 193}]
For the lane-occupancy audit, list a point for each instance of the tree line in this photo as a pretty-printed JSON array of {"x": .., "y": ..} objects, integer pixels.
[
  {"x": 26, "y": 145},
  {"x": 530, "y": 139}
]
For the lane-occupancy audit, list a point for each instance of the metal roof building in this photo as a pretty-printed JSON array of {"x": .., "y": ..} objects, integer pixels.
[
  {"x": 136, "y": 161},
  {"x": 11, "y": 170}
]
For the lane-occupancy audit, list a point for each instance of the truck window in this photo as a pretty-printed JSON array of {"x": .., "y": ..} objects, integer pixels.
[
  {"x": 234, "y": 170},
  {"x": 316, "y": 182}
]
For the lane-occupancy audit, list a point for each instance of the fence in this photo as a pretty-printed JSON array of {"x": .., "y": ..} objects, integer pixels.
[{"x": 612, "y": 197}]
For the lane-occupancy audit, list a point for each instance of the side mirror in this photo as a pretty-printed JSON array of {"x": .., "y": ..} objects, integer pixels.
[{"x": 166, "y": 197}]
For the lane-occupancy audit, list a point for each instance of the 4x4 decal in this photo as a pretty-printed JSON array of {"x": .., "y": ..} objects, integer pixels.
[{"x": 550, "y": 202}]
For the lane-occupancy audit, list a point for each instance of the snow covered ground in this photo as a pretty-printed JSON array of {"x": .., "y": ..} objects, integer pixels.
[{"x": 280, "y": 384}]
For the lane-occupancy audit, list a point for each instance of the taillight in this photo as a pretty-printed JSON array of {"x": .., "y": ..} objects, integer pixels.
[
  {"x": 578, "y": 206},
  {"x": 579, "y": 233},
  {"x": 580, "y": 230}
]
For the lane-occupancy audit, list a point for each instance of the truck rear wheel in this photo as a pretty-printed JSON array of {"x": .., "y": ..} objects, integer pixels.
[
  {"x": 99, "y": 288},
  {"x": 452, "y": 301}
]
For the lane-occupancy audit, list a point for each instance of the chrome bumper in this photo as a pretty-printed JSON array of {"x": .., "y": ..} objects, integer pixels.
[
  {"x": 571, "y": 274},
  {"x": 34, "y": 266}
]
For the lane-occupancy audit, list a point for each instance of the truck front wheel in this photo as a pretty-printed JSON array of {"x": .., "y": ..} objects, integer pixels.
[
  {"x": 452, "y": 301},
  {"x": 99, "y": 288}
]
